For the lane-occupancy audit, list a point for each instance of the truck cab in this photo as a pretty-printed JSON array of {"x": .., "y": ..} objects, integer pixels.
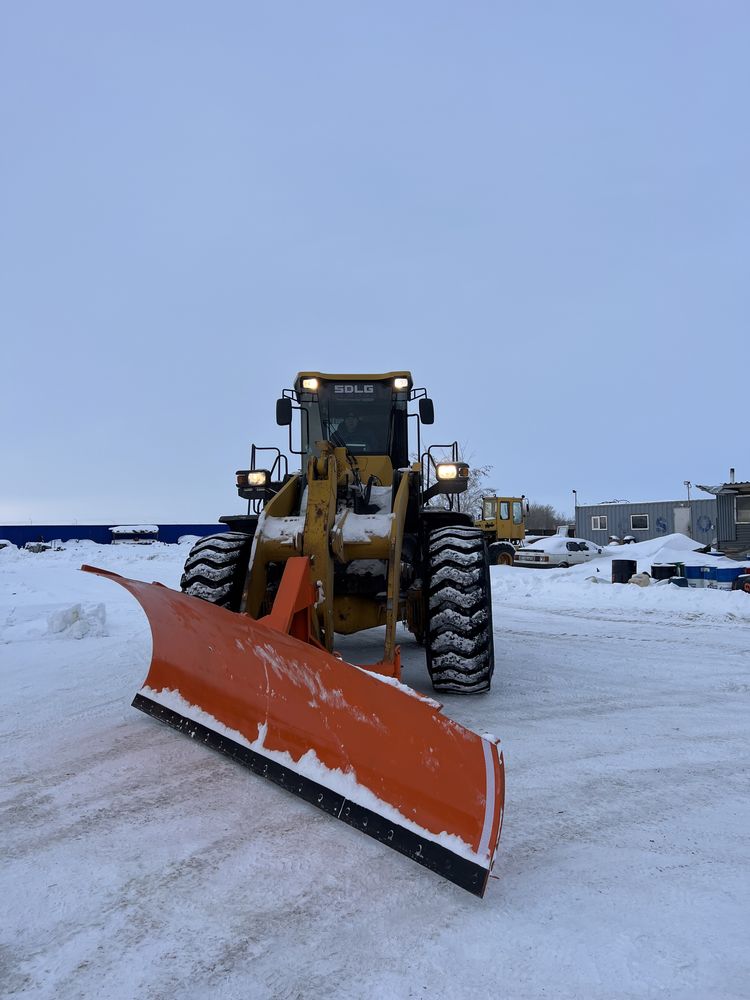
[{"x": 503, "y": 522}]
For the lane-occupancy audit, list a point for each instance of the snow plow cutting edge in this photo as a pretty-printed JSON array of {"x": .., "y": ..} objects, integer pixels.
[{"x": 362, "y": 747}]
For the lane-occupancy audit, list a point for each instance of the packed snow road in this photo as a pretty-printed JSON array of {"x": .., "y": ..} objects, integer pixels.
[{"x": 138, "y": 864}]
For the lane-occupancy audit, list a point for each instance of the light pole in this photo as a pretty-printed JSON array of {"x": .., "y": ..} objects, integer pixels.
[
  {"x": 575, "y": 510},
  {"x": 686, "y": 482}
]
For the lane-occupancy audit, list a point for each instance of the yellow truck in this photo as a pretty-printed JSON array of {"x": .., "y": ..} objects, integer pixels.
[{"x": 503, "y": 523}]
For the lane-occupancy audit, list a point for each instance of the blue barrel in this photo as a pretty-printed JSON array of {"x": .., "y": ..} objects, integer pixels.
[
  {"x": 694, "y": 576},
  {"x": 709, "y": 577},
  {"x": 726, "y": 575}
]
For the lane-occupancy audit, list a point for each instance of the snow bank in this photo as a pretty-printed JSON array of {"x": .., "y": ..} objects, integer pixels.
[{"x": 577, "y": 590}]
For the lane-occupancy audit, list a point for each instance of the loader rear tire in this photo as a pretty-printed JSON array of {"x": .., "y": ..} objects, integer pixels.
[
  {"x": 458, "y": 641},
  {"x": 216, "y": 568}
]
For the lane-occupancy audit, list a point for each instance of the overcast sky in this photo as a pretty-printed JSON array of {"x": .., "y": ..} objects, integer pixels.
[{"x": 540, "y": 209}]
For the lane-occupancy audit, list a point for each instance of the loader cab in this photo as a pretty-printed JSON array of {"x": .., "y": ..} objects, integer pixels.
[
  {"x": 504, "y": 518},
  {"x": 367, "y": 414}
]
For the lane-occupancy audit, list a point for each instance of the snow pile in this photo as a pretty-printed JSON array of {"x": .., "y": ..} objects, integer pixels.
[
  {"x": 25, "y": 622},
  {"x": 364, "y": 527},
  {"x": 189, "y": 539},
  {"x": 366, "y": 567},
  {"x": 669, "y": 549},
  {"x": 77, "y": 621},
  {"x": 131, "y": 529},
  {"x": 284, "y": 530}
]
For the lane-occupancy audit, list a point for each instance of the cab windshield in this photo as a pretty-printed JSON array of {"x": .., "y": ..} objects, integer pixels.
[{"x": 364, "y": 417}]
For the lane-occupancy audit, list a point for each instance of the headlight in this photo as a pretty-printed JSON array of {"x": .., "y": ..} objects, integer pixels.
[
  {"x": 311, "y": 384},
  {"x": 450, "y": 470},
  {"x": 399, "y": 384},
  {"x": 258, "y": 477},
  {"x": 446, "y": 470}
]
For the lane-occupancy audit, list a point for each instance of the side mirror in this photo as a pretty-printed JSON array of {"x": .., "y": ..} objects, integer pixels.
[
  {"x": 426, "y": 411},
  {"x": 283, "y": 411}
]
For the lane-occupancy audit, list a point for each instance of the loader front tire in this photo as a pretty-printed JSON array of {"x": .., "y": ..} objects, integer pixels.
[
  {"x": 458, "y": 640},
  {"x": 502, "y": 554},
  {"x": 216, "y": 568}
]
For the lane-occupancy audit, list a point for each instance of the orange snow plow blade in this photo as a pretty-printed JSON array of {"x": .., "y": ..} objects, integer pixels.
[{"x": 362, "y": 747}]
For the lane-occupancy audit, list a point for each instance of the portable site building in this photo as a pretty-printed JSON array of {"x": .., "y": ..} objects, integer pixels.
[
  {"x": 723, "y": 520},
  {"x": 650, "y": 519},
  {"x": 732, "y": 515}
]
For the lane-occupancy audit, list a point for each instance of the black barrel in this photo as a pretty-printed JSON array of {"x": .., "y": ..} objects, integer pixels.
[
  {"x": 623, "y": 569},
  {"x": 680, "y": 581},
  {"x": 663, "y": 571}
]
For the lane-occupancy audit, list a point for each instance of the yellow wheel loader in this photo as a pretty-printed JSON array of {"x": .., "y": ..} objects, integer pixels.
[
  {"x": 244, "y": 658},
  {"x": 503, "y": 523}
]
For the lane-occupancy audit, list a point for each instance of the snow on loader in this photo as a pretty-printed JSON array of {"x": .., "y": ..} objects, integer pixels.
[{"x": 243, "y": 658}]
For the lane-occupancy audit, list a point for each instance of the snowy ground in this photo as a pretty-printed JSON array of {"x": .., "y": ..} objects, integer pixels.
[{"x": 138, "y": 864}]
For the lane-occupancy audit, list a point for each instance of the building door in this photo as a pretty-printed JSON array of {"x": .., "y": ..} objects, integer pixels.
[{"x": 682, "y": 520}]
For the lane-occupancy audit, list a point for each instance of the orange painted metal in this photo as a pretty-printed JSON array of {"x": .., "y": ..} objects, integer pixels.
[
  {"x": 292, "y": 613},
  {"x": 292, "y": 607},
  {"x": 388, "y": 668},
  {"x": 256, "y": 678}
]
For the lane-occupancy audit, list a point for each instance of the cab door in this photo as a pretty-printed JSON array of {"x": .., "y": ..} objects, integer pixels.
[
  {"x": 504, "y": 522},
  {"x": 517, "y": 528}
]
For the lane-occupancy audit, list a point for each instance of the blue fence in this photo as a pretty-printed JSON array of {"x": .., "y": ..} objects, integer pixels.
[{"x": 20, "y": 534}]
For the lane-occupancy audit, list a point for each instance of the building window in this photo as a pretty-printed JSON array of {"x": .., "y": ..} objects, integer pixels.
[
  {"x": 743, "y": 510},
  {"x": 599, "y": 523},
  {"x": 639, "y": 522}
]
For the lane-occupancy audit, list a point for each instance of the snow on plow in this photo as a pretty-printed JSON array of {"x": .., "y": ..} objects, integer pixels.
[{"x": 362, "y": 747}]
